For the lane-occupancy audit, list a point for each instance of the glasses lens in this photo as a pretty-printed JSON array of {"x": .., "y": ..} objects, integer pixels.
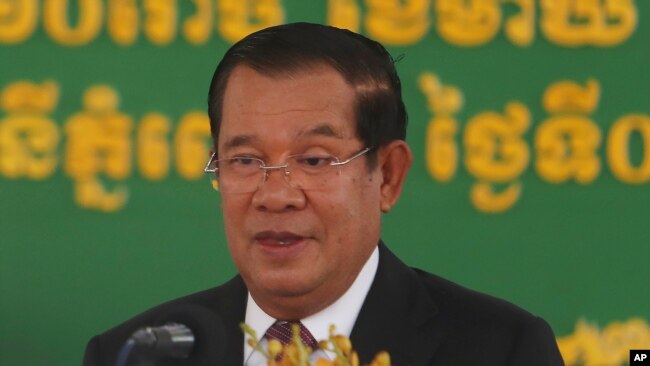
[
  {"x": 239, "y": 174},
  {"x": 311, "y": 172},
  {"x": 305, "y": 171}
]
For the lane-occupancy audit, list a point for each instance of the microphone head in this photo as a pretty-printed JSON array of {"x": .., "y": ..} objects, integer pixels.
[
  {"x": 170, "y": 340},
  {"x": 207, "y": 329}
]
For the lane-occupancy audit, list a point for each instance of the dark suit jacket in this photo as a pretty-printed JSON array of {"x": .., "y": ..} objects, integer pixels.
[{"x": 419, "y": 318}]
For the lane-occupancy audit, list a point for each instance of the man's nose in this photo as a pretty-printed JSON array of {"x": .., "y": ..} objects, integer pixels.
[{"x": 276, "y": 194}]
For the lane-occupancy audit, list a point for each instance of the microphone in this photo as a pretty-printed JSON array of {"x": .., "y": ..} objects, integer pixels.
[
  {"x": 171, "y": 340},
  {"x": 189, "y": 335}
]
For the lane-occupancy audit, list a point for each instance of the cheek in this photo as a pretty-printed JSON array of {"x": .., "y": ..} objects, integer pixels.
[
  {"x": 353, "y": 210},
  {"x": 233, "y": 210},
  {"x": 233, "y": 221}
]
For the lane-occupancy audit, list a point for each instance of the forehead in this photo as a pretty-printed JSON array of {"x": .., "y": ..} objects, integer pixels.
[{"x": 317, "y": 101}]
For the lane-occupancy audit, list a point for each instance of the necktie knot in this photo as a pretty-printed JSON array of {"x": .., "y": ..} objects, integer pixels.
[{"x": 283, "y": 332}]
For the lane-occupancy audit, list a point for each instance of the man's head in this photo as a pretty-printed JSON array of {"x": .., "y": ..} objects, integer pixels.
[
  {"x": 319, "y": 92},
  {"x": 286, "y": 50}
]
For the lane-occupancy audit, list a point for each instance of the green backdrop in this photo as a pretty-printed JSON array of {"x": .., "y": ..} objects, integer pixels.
[{"x": 575, "y": 253}]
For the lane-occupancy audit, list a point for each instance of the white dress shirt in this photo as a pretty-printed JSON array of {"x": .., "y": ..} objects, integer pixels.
[{"x": 342, "y": 313}]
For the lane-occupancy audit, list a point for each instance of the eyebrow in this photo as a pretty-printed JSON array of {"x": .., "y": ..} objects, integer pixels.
[
  {"x": 323, "y": 129},
  {"x": 241, "y": 140}
]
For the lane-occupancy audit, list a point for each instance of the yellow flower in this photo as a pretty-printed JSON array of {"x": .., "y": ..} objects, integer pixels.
[
  {"x": 291, "y": 353},
  {"x": 343, "y": 343},
  {"x": 381, "y": 359},
  {"x": 324, "y": 362},
  {"x": 275, "y": 348},
  {"x": 297, "y": 354},
  {"x": 354, "y": 359}
]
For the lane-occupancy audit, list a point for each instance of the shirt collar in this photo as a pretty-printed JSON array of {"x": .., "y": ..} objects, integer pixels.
[{"x": 342, "y": 313}]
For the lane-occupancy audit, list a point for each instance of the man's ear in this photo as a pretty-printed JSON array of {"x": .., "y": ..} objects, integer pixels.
[{"x": 395, "y": 159}]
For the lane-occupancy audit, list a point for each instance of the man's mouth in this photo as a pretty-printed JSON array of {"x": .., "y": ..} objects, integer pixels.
[{"x": 278, "y": 238}]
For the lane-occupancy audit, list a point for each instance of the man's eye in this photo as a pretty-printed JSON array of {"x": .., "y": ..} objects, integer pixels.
[
  {"x": 242, "y": 161},
  {"x": 313, "y": 161}
]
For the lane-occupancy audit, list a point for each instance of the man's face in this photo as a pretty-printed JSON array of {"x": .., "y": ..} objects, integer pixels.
[{"x": 297, "y": 249}]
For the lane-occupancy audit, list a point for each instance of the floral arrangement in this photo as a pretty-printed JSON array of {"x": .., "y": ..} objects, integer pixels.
[{"x": 297, "y": 354}]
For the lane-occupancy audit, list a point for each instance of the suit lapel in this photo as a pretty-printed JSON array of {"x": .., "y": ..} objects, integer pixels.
[
  {"x": 397, "y": 316},
  {"x": 230, "y": 302}
]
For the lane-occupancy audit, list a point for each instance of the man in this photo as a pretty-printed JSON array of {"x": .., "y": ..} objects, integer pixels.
[{"x": 309, "y": 131}]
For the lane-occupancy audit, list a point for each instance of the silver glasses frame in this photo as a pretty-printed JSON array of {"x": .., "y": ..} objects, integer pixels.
[{"x": 285, "y": 166}]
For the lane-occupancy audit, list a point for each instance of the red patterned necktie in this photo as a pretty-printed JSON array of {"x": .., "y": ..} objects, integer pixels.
[{"x": 281, "y": 330}]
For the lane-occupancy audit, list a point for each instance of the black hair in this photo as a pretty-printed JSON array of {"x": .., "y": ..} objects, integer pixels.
[{"x": 364, "y": 64}]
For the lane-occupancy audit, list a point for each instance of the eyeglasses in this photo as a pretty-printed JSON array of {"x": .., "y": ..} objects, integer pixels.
[{"x": 245, "y": 174}]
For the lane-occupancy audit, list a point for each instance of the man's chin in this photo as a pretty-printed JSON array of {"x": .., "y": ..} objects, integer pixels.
[
  {"x": 281, "y": 285},
  {"x": 287, "y": 289}
]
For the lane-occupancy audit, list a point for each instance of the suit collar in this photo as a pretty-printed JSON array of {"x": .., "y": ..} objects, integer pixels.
[
  {"x": 229, "y": 301},
  {"x": 397, "y": 316}
]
